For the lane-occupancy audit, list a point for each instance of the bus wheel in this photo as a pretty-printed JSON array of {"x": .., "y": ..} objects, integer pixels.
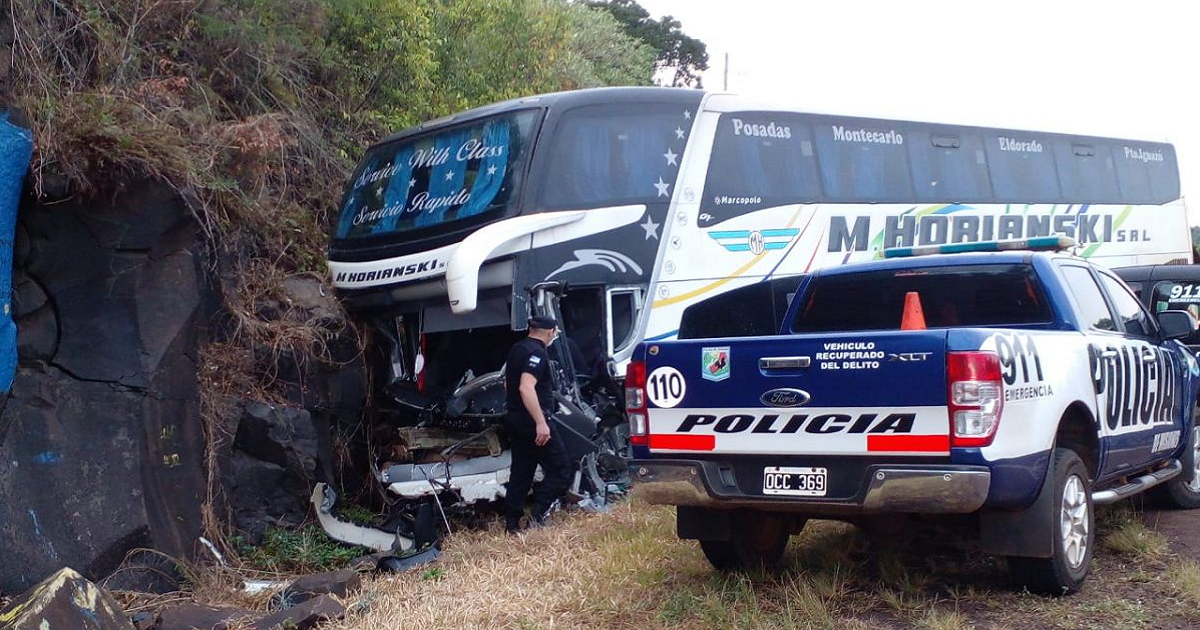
[
  {"x": 1074, "y": 532},
  {"x": 758, "y": 541},
  {"x": 1183, "y": 492}
]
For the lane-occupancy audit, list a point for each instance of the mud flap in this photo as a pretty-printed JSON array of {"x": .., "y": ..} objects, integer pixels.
[
  {"x": 1027, "y": 533},
  {"x": 696, "y": 523}
]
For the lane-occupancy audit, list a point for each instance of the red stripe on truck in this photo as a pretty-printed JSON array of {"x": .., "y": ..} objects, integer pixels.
[
  {"x": 908, "y": 443},
  {"x": 683, "y": 442}
]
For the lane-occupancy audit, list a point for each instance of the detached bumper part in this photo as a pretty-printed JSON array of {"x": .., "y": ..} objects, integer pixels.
[
  {"x": 323, "y": 499},
  {"x": 477, "y": 479},
  {"x": 915, "y": 489}
]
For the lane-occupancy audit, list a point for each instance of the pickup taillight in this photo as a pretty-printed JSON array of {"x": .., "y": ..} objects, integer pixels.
[
  {"x": 635, "y": 403},
  {"x": 975, "y": 397}
]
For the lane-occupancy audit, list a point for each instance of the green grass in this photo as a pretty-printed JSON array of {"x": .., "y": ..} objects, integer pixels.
[
  {"x": 357, "y": 514},
  {"x": 304, "y": 550}
]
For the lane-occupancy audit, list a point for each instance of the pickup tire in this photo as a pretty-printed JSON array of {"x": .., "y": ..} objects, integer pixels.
[
  {"x": 758, "y": 540},
  {"x": 1183, "y": 492},
  {"x": 1074, "y": 528}
]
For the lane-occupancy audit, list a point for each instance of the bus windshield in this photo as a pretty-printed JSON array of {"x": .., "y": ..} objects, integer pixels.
[{"x": 447, "y": 176}]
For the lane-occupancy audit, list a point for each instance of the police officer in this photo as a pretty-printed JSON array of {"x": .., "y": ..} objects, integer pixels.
[{"x": 529, "y": 404}]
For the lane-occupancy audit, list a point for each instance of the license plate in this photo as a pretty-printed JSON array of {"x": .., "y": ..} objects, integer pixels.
[{"x": 795, "y": 481}]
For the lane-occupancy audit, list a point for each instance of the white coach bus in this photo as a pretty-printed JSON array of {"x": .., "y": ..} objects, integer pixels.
[
  {"x": 653, "y": 213},
  {"x": 645, "y": 201}
]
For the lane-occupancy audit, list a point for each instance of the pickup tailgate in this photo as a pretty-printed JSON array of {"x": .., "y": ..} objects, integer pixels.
[{"x": 879, "y": 393}]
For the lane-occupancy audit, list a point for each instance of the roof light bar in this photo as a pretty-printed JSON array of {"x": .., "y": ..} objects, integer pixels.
[{"x": 1037, "y": 244}]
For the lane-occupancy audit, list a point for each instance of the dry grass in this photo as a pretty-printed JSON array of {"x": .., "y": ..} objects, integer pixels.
[
  {"x": 1184, "y": 578},
  {"x": 1125, "y": 533},
  {"x": 627, "y": 570},
  {"x": 941, "y": 619},
  {"x": 573, "y": 574}
]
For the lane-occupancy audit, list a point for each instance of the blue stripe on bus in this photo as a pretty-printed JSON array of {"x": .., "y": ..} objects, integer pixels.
[
  {"x": 730, "y": 234},
  {"x": 780, "y": 232},
  {"x": 737, "y": 248},
  {"x": 662, "y": 336}
]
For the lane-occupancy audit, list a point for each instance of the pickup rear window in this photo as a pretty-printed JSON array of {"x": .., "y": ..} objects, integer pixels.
[{"x": 956, "y": 296}]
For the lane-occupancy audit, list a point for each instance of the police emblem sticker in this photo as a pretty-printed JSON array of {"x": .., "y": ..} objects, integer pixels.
[{"x": 714, "y": 363}]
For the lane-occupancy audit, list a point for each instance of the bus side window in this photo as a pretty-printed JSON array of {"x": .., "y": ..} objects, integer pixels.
[
  {"x": 948, "y": 166},
  {"x": 863, "y": 160},
  {"x": 1146, "y": 173},
  {"x": 1022, "y": 167},
  {"x": 1086, "y": 171},
  {"x": 612, "y": 155},
  {"x": 759, "y": 160}
]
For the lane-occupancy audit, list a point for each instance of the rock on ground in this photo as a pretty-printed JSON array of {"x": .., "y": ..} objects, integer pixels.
[
  {"x": 303, "y": 616},
  {"x": 338, "y": 583},
  {"x": 64, "y": 601}
]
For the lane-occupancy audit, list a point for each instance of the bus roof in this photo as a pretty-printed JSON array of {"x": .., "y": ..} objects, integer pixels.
[
  {"x": 721, "y": 102},
  {"x": 572, "y": 98},
  {"x": 712, "y": 101}
]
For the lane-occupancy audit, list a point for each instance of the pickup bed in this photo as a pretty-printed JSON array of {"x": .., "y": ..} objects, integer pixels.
[{"x": 1021, "y": 387}]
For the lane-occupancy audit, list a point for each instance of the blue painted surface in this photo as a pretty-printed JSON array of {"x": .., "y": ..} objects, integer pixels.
[
  {"x": 890, "y": 385},
  {"x": 1016, "y": 481},
  {"x": 16, "y": 149},
  {"x": 47, "y": 457}
]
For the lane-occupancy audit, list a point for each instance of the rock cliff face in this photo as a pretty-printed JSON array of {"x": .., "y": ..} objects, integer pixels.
[
  {"x": 102, "y": 448},
  {"x": 101, "y": 444}
]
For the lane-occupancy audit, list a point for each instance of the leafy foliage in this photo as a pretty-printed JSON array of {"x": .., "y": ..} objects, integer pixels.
[{"x": 685, "y": 57}]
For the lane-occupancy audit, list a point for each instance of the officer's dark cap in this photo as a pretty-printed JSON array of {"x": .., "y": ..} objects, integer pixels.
[{"x": 542, "y": 322}]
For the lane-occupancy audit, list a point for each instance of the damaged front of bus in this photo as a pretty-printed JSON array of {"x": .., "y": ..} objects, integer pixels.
[{"x": 450, "y": 236}]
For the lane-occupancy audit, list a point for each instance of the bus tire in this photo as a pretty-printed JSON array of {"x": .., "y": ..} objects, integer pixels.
[
  {"x": 1183, "y": 492},
  {"x": 757, "y": 542},
  {"x": 1074, "y": 529}
]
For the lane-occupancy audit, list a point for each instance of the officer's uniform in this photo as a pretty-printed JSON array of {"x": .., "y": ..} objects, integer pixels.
[{"x": 529, "y": 356}]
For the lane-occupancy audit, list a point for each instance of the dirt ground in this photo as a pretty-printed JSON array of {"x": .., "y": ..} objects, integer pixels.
[{"x": 1181, "y": 527}]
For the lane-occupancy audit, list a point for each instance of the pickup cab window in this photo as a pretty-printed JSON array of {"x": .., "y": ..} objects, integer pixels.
[
  {"x": 952, "y": 296},
  {"x": 1092, "y": 307},
  {"x": 1133, "y": 316}
]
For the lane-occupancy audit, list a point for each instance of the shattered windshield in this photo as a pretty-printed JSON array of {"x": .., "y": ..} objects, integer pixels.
[{"x": 449, "y": 176}]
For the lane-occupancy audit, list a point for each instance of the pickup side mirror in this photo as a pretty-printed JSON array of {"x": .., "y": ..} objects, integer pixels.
[{"x": 1176, "y": 324}]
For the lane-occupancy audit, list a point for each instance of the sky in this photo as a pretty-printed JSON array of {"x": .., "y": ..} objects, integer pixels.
[{"x": 1119, "y": 69}]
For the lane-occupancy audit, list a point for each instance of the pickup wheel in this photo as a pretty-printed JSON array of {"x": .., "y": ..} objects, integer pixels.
[
  {"x": 1074, "y": 528},
  {"x": 1183, "y": 492},
  {"x": 759, "y": 539}
]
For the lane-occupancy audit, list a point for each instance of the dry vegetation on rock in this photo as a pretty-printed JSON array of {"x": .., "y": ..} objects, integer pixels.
[{"x": 254, "y": 112}]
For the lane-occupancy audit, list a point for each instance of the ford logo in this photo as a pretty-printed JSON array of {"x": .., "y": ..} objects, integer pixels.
[{"x": 785, "y": 397}]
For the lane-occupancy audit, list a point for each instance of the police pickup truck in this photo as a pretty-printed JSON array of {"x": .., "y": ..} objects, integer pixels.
[{"x": 1024, "y": 387}]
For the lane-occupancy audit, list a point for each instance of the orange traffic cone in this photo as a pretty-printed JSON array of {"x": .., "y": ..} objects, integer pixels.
[{"x": 914, "y": 316}]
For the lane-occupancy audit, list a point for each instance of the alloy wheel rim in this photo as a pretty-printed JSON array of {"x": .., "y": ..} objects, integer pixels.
[
  {"x": 1073, "y": 521},
  {"x": 1193, "y": 484}
]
